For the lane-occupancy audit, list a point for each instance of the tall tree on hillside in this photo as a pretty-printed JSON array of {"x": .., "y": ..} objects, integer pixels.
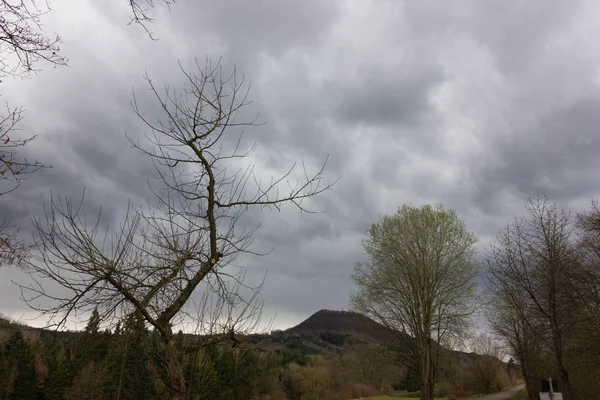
[
  {"x": 535, "y": 258},
  {"x": 158, "y": 259},
  {"x": 419, "y": 280}
]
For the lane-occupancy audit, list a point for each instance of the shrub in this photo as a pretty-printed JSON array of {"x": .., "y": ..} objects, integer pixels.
[
  {"x": 458, "y": 393},
  {"x": 353, "y": 390}
]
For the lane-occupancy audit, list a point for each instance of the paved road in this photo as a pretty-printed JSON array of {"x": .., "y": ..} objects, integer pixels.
[{"x": 501, "y": 396}]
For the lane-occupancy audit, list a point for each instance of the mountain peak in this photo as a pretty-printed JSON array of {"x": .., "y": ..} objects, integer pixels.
[{"x": 345, "y": 322}]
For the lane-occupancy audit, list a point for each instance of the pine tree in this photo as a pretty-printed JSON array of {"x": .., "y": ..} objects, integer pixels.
[
  {"x": 17, "y": 370},
  {"x": 86, "y": 384},
  {"x": 126, "y": 374},
  {"x": 91, "y": 344},
  {"x": 60, "y": 378}
]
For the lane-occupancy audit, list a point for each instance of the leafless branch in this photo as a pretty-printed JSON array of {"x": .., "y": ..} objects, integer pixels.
[
  {"x": 14, "y": 169},
  {"x": 22, "y": 43},
  {"x": 158, "y": 258},
  {"x": 141, "y": 13}
]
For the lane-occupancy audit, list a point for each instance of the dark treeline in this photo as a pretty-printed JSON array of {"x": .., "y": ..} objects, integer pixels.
[
  {"x": 118, "y": 364},
  {"x": 97, "y": 364}
]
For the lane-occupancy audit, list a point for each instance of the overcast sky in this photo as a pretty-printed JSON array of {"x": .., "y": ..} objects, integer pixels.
[{"x": 472, "y": 106}]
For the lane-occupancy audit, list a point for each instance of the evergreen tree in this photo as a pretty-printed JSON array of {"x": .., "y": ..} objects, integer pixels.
[
  {"x": 17, "y": 369},
  {"x": 91, "y": 344},
  {"x": 126, "y": 374},
  {"x": 60, "y": 378},
  {"x": 86, "y": 385}
]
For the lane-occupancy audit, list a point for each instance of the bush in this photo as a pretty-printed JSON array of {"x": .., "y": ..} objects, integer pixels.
[
  {"x": 458, "y": 393},
  {"x": 502, "y": 381},
  {"x": 352, "y": 390}
]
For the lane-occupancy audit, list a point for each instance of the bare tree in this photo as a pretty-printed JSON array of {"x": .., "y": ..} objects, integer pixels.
[
  {"x": 13, "y": 171},
  {"x": 22, "y": 46},
  {"x": 159, "y": 258},
  {"x": 488, "y": 365},
  {"x": 13, "y": 168},
  {"x": 588, "y": 227},
  {"x": 510, "y": 321},
  {"x": 22, "y": 43},
  {"x": 419, "y": 280},
  {"x": 141, "y": 13},
  {"x": 537, "y": 256}
]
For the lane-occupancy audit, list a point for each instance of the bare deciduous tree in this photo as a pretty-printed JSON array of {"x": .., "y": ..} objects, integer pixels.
[
  {"x": 22, "y": 46},
  {"x": 13, "y": 168},
  {"x": 13, "y": 171},
  {"x": 488, "y": 365},
  {"x": 588, "y": 225},
  {"x": 22, "y": 43},
  {"x": 510, "y": 320},
  {"x": 141, "y": 13},
  {"x": 419, "y": 280},
  {"x": 159, "y": 258},
  {"x": 535, "y": 259}
]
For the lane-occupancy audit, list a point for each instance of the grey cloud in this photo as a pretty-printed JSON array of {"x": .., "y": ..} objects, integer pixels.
[
  {"x": 559, "y": 155},
  {"x": 249, "y": 28},
  {"x": 388, "y": 97},
  {"x": 515, "y": 32},
  {"x": 386, "y": 110}
]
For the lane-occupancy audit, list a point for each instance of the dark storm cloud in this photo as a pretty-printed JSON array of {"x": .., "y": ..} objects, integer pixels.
[
  {"x": 247, "y": 29},
  {"x": 387, "y": 97},
  {"x": 559, "y": 155},
  {"x": 472, "y": 106}
]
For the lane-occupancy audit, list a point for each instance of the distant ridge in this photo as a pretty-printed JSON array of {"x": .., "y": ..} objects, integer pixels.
[{"x": 347, "y": 323}]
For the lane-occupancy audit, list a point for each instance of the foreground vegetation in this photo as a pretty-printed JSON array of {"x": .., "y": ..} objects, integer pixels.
[{"x": 96, "y": 364}]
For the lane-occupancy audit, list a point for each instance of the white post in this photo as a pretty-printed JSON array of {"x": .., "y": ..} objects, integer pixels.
[{"x": 551, "y": 389}]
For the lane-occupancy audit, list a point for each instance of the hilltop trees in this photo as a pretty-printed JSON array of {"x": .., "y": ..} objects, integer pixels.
[
  {"x": 159, "y": 258},
  {"x": 419, "y": 280}
]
